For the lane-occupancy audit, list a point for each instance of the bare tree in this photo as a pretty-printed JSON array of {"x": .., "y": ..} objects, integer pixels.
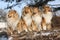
[{"x": 41, "y": 2}]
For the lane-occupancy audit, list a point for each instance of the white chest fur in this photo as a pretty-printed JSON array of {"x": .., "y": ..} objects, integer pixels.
[
  {"x": 37, "y": 19},
  {"x": 28, "y": 20},
  {"x": 12, "y": 23},
  {"x": 48, "y": 17}
]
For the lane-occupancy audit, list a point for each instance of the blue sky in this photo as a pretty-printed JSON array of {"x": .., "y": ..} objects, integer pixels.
[{"x": 23, "y": 3}]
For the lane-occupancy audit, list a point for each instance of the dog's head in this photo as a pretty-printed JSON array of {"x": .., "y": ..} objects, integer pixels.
[
  {"x": 36, "y": 11},
  {"x": 27, "y": 11},
  {"x": 46, "y": 9},
  {"x": 12, "y": 14}
]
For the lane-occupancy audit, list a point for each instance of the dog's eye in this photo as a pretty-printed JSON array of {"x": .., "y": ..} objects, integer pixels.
[
  {"x": 34, "y": 13},
  {"x": 50, "y": 10},
  {"x": 9, "y": 16},
  {"x": 26, "y": 12}
]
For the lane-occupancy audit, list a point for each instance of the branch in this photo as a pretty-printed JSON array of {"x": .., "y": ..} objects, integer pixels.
[{"x": 41, "y": 3}]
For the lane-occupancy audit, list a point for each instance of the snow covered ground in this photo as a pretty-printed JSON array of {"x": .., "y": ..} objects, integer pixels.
[{"x": 3, "y": 25}]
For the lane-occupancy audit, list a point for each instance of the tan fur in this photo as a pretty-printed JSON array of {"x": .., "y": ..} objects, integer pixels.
[
  {"x": 47, "y": 15},
  {"x": 26, "y": 15},
  {"x": 19, "y": 26},
  {"x": 37, "y": 18},
  {"x": 34, "y": 26},
  {"x": 9, "y": 31},
  {"x": 43, "y": 24},
  {"x": 12, "y": 19}
]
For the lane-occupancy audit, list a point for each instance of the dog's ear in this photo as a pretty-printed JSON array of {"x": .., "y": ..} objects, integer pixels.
[
  {"x": 31, "y": 9},
  {"x": 25, "y": 8},
  {"x": 14, "y": 11}
]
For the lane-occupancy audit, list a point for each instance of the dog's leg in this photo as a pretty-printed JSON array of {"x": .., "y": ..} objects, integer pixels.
[
  {"x": 19, "y": 26},
  {"x": 10, "y": 30},
  {"x": 34, "y": 26},
  {"x": 25, "y": 27},
  {"x": 44, "y": 26},
  {"x": 49, "y": 26},
  {"x": 40, "y": 27},
  {"x": 43, "y": 23}
]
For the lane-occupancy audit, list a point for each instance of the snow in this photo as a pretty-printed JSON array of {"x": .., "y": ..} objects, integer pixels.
[
  {"x": 18, "y": 7},
  {"x": 54, "y": 3},
  {"x": 3, "y": 25},
  {"x": 3, "y": 38},
  {"x": 45, "y": 34}
]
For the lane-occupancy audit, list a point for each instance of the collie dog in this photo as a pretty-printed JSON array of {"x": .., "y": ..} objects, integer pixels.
[
  {"x": 47, "y": 16},
  {"x": 27, "y": 18},
  {"x": 12, "y": 18},
  {"x": 37, "y": 18}
]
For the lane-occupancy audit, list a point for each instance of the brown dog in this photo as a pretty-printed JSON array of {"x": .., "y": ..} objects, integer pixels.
[
  {"x": 47, "y": 16},
  {"x": 12, "y": 20},
  {"x": 37, "y": 18},
  {"x": 27, "y": 18}
]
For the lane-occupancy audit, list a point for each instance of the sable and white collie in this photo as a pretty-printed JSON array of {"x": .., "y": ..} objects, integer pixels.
[
  {"x": 27, "y": 18},
  {"x": 47, "y": 16},
  {"x": 12, "y": 18},
  {"x": 37, "y": 17}
]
